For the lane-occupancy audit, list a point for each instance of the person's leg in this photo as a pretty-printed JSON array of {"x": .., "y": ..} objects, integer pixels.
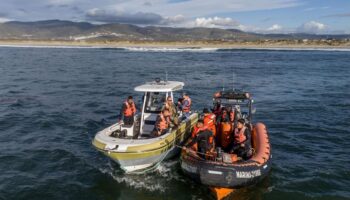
[
  {"x": 129, "y": 121},
  {"x": 247, "y": 154},
  {"x": 234, "y": 148}
]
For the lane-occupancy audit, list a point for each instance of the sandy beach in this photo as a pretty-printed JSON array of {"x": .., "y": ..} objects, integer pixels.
[{"x": 180, "y": 45}]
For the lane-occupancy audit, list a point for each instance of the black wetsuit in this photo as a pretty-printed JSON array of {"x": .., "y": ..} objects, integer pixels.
[
  {"x": 243, "y": 152},
  {"x": 202, "y": 139}
]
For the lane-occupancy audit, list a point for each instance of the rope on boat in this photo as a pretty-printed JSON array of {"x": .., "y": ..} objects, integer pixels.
[{"x": 190, "y": 150}]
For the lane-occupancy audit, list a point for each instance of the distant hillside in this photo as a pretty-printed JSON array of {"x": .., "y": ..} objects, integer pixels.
[{"x": 67, "y": 30}]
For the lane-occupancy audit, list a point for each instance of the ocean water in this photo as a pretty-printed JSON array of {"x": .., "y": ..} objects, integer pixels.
[{"x": 54, "y": 100}]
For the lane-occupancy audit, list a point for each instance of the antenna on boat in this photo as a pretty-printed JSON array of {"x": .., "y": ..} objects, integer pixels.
[
  {"x": 223, "y": 85},
  {"x": 166, "y": 76},
  {"x": 233, "y": 81}
]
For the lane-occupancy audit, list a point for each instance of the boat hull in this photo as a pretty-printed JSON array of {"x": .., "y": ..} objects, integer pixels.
[
  {"x": 140, "y": 155},
  {"x": 236, "y": 174},
  {"x": 222, "y": 176}
]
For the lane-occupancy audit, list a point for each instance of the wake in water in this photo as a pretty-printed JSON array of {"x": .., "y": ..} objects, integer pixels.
[
  {"x": 178, "y": 49},
  {"x": 154, "y": 181}
]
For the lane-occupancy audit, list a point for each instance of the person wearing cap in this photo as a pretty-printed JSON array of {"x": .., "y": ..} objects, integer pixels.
[
  {"x": 242, "y": 140},
  {"x": 186, "y": 105},
  {"x": 162, "y": 123},
  {"x": 209, "y": 119},
  {"x": 128, "y": 112},
  {"x": 202, "y": 139},
  {"x": 173, "y": 111}
]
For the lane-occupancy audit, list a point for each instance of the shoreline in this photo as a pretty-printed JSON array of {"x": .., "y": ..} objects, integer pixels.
[{"x": 171, "y": 45}]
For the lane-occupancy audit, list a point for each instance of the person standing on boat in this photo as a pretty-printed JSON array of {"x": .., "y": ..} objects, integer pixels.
[
  {"x": 209, "y": 120},
  {"x": 173, "y": 111},
  {"x": 186, "y": 105},
  {"x": 202, "y": 139},
  {"x": 128, "y": 112},
  {"x": 242, "y": 140},
  {"x": 162, "y": 123}
]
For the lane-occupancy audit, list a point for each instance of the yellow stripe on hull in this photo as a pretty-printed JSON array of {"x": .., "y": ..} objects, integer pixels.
[{"x": 153, "y": 149}]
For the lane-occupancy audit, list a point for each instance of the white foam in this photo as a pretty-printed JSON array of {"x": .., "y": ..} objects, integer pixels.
[
  {"x": 50, "y": 46},
  {"x": 288, "y": 49},
  {"x": 146, "y": 183},
  {"x": 165, "y": 49}
]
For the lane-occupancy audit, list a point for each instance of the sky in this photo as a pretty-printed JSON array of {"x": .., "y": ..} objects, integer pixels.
[{"x": 262, "y": 16}]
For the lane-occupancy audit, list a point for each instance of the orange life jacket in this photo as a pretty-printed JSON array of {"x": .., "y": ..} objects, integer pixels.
[
  {"x": 225, "y": 130},
  {"x": 130, "y": 109},
  {"x": 196, "y": 130},
  {"x": 210, "y": 121},
  {"x": 163, "y": 123},
  {"x": 188, "y": 107},
  {"x": 239, "y": 135}
]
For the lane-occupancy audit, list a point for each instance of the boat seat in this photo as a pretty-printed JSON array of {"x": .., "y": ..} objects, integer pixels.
[
  {"x": 127, "y": 126},
  {"x": 149, "y": 122},
  {"x": 147, "y": 130}
]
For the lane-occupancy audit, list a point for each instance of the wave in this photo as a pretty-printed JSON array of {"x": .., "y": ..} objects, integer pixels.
[
  {"x": 178, "y": 49},
  {"x": 50, "y": 46},
  {"x": 281, "y": 49},
  {"x": 153, "y": 181},
  {"x": 166, "y": 49}
]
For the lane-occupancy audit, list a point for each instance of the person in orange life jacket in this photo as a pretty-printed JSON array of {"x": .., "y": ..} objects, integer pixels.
[
  {"x": 202, "y": 139},
  {"x": 242, "y": 140},
  {"x": 162, "y": 123},
  {"x": 200, "y": 126},
  {"x": 209, "y": 120},
  {"x": 128, "y": 111},
  {"x": 186, "y": 105}
]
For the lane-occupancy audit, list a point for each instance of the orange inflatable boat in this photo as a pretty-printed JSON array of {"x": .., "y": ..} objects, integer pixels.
[{"x": 225, "y": 171}]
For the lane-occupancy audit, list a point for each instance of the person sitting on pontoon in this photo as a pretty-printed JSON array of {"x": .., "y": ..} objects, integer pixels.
[
  {"x": 242, "y": 140},
  {"x": 162, "y": 123},
  {"x": 203, "y": 140}
]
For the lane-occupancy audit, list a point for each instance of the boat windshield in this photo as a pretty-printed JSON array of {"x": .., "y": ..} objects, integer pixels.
[{"x": 155, "y": 102}]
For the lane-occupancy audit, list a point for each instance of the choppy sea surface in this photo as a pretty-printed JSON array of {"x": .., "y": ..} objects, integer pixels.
[{"x": 54, "y": 100}]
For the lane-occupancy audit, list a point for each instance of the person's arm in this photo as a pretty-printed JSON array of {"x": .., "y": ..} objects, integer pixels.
[
  {"x": 135, "y": 108},
  {"x": 122, "y": 112},
  {"x": 175, "y": 108},
  {"x": 208, "y": 134},
  {"x": 193, "y": 141},
  {"x": 156, "y": 124},
  {"x": 247, "y": 135}
]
